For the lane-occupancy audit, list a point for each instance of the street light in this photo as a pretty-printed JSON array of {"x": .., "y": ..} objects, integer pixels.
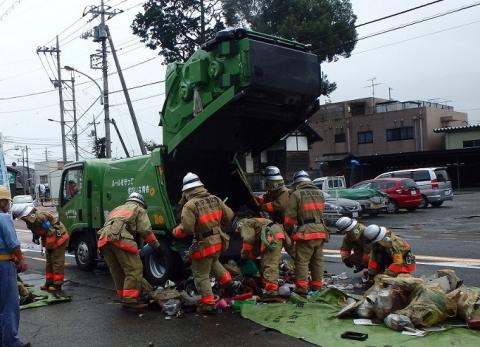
[{"x": 69, "y": 68}]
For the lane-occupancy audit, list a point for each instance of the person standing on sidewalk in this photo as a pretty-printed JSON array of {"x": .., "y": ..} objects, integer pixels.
[{"x": 11, "y": 261}]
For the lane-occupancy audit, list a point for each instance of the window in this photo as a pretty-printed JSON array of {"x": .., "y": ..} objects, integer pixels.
[
  {"x": 71, "y": 184},
  {"x": 334, "y": 183},
  {"x": 297, "y": 143},
  {"x": 44, "y": 179},
  {"x": 422, "y": 175},
  {"x": 471, "y": 143},
  {"x": 340, "y": 138},
  {"x": 365, "y": 137},
  {"x": 442, "y": 175},
  {"x": 398, "y": 134}
]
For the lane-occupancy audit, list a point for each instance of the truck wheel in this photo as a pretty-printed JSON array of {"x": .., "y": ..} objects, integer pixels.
[
  {"x": 159, "y": 267},
  {"x": 85, "y": 252}
]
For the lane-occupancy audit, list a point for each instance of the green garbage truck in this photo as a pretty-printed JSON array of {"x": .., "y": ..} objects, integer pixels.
[{"x": 239, "y": 93}]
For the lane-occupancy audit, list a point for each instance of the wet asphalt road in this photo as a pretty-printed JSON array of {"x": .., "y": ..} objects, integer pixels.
[{"x": 445, "y": 237}]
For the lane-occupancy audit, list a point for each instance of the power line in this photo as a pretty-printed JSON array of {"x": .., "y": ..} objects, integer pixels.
[
  {"x": 140, "y": 99},
  {"x": 29, "y": 109},
  {"x": 27, "y": 95},
  {"x": 417, "y": 37},
  {"x": 139, "y": 86},
  {"x": 397, "y": 14}
]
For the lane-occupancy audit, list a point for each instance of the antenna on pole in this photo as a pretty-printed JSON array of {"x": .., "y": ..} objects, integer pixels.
[{"x": 373, "y": 85}]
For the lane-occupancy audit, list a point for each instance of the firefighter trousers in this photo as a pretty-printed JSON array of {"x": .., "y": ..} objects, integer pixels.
[
  {"x": 202, "y": 269},
  {"x": 55, "y": 265},
  {"x": 127, "y": 272},
  {"x": 309, "y": 256},
  {"x": 269, "y": 267}
]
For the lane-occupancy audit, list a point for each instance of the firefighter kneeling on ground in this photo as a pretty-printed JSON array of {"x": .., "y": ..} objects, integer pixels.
[
  {"x": 118, "y": 245},
  {"x": 304, "y": 222},
  {"x": 263, "y": 239},
  {"x": 54, "y": 236},
  {"x": 203, "y": 217},
  {"x": 390, "y": 253},
  {"x": 275, "y": 200},
  {"x": 355, "y": 250}
]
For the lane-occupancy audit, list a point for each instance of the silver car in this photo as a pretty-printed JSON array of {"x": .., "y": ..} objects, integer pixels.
[
  {"x": 434, "y": 183},
  {"x": 339, "y": 207}
]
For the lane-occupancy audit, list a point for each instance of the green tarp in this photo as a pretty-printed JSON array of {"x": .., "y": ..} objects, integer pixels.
[
  {"x": 43, "y": 298},
  {"x": 315, "y": 322},
  {"x": 356, "y": 193}
]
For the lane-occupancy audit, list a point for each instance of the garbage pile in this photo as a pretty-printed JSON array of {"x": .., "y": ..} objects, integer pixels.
[{"x": 406, "y": 303}]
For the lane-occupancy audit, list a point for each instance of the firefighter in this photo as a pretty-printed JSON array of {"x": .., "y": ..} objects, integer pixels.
[
  {"x": 11, "y": 261},
  {"x": 304, "y": 222},
  {"x": 118, "y": 244},
  {"x": 390, "y": 254},
  {"x": 355, "y": 250},
  {"x": 54, "y": 237},
  {"x": 203, "y": 217},
  {"x": 263, "y": 238},
  {"x": 275, "y": 200}
]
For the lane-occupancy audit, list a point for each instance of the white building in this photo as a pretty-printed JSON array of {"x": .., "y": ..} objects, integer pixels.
[{"x": 49, "y": 173}]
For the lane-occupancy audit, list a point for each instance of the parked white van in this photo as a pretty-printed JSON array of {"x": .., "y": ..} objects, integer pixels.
[{"x": 434, "y": 183}]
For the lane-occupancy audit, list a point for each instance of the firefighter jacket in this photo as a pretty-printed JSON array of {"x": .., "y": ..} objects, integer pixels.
[
  {"x": 392, "y": 255},
  {"x": 203, "y": 217},
  {"x": 44, "y": 225},
  {"x": 353, "y": 242},
  {"x": 259, "y": 234},
  {"x": 275, "y": 203},
  {"x": 123, "y": 227},
  {"x": 304, "y": 214}
]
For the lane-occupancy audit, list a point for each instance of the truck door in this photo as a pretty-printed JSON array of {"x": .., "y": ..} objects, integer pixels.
[{"x": 72, "y": 198}]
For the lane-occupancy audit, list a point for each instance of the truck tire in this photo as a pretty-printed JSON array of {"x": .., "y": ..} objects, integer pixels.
[
  {"x": 85, "y": 251},
  {"x": 159, "y": 267}
]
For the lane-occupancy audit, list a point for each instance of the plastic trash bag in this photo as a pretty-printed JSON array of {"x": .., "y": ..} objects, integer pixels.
[{"x": 398, "y": 322}]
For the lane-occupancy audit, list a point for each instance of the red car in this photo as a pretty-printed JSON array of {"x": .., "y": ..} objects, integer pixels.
[{"x": 403, "y": 192}]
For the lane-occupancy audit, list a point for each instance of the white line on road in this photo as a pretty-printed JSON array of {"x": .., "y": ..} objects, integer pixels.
[{"x": 37, "y": 251}]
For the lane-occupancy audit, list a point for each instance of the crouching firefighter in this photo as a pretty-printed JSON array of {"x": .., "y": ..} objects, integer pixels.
[
  {"x": 355, "y": 249},
  {"x": 390, "y": 254},
  {"x": 54, "y": 237},
  {"x": 203, "y": 217},
  {"x": 263, "y": 239},
  {"x": 118, "y": 246},
  {"x": 304, "y": 222}
]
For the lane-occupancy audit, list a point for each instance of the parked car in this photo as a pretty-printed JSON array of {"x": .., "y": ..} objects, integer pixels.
[
  {"x": 340, "y": 207},
  {"x": 402, "y": 192},
  {"x": 434, "y": 183},
  {"x": 330, "y": 182},
  {"x": 23, "y": 200}
]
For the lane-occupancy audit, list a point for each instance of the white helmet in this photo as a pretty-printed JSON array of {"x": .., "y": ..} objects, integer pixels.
[
  {"x": 190, "y": 181},
  {"x": 373, "y": 233},
  {"x": 345, "y": 224},
  {"x": 137, "y": 197},
  {"x": 19, "y": 211},
  {"x": 301, "y": 176},
  {"x": 272, "y": 173}
]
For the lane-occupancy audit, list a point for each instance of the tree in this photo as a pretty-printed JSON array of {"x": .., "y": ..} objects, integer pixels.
[
  {"x": 179, "y": 27},
  {"x": 328, "y": 25}
]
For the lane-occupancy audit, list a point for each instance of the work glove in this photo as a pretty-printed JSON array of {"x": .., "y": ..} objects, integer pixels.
[
  {"x": 348, "y": 262},
  {"x": 358, "y": 268},
  {"x": 36, "y": 240}
]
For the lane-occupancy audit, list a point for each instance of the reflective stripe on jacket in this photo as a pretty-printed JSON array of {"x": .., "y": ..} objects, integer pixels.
[{"x": 304, "y": 214}]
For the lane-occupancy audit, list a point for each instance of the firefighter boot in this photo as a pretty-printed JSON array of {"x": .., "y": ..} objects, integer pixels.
[
  {"x": 135, "y": 306},
  {"x": 54, "y": 288},
  {"x": 46, "y": 285}
]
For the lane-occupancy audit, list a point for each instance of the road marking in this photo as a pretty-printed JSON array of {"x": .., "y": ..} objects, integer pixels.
[{"x": 37, "y": 251}]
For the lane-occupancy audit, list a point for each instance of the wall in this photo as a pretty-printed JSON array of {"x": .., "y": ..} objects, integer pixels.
[
  {"x": 434, "y": 120},
  {"x": 51, "y": 169},
  {"x": 455, "y": 140}
]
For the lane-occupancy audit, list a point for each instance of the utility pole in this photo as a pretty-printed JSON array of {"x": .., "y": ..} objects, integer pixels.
[
  {"x": 390, "y": 93},
  {"x": 121, "y": 138},
  {"x": 127, "y": 98},
  {"x": 60, "y": 94},
  {"x": 23, "y": 170},
  {"x": 75, "y": 129},
  {"x": 106, "y": 106},
  {"x": 58, "y": 83},
  {"x": 28, "y": 171}
]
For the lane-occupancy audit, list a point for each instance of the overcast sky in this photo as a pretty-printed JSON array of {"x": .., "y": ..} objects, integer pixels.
[{"x": 438, "y": 59}]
